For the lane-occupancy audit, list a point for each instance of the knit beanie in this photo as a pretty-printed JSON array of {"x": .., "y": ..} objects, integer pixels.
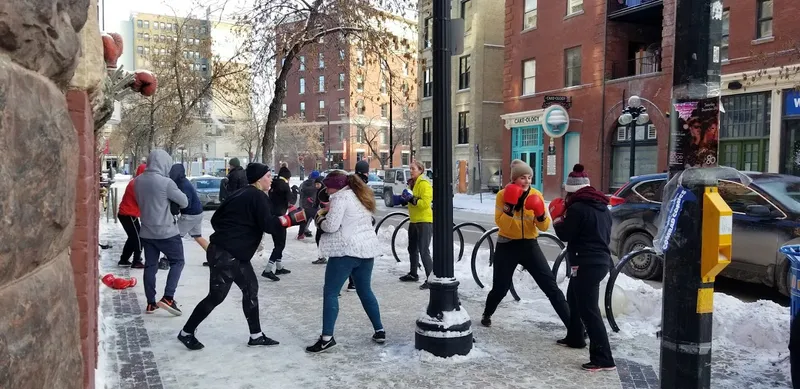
[
  {"x": 577, "y": 179},
  {"x": 519, "y": 168},
  {"x": 284, "y": 172},
  {"x": 314, "y": 174},
  {"x": 235, "y": 162},
  {"x": 255, "y": 171}
]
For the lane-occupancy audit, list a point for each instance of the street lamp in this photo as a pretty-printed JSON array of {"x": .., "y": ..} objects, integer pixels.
[{"x": 632, "y": 115}]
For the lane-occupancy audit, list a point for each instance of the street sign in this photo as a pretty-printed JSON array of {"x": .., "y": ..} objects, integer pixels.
[
  {"x": 456, "y": 36},
  {"x": 564, "y": 101}
]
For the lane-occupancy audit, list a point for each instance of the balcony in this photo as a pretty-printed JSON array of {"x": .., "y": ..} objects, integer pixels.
[
  {"x": 643, "y": 63},
  {"x": 636, "y": 11}
]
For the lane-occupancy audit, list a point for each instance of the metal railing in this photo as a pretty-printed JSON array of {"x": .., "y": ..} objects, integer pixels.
[{"x": 647, "y": 64}]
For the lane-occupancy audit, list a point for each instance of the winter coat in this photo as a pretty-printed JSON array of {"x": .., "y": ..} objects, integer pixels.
[
  {"x": 422, "y": 211},
  {"x": 237, "y": 179},
  {"x": 280, "y": 193},
  {"x": 523, "y": 225},
  {"x": 241, "y": 221},
  {"x": 128, "y": 205},
  {"x": 586, "y": 228},
  {"x": 154, "y": 191},
  {"x": 178, "y": 174},
  {"x": 348, "y": 228},
  {"x": 308, "y": 194}
]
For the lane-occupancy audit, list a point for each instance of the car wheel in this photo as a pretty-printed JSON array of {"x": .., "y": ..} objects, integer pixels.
[
  {"x": 645, "y": 266},
  {"x": 783, "y": 279},
  {"x": 387, "y": 197}
]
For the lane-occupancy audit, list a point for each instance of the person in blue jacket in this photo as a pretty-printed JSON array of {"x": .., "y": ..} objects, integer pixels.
[{"x": 191, "y": 218}]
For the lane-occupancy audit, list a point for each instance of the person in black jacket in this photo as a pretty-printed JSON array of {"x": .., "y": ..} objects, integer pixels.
[
  {"x": 308, "y": 196},
  {"x": 584, "y": 222},
  {"x": 237, "y": 179},
  {"x": 279, "y": 195},
  {"x": 239, "y": 224}
]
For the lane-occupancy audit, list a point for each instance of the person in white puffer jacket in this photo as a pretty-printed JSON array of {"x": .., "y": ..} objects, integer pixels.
[{"x": 350, "y": 244}]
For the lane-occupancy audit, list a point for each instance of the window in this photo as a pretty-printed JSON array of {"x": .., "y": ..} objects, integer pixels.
[
  {"x": 341, "y": 132},
  {"x": 147, "y": 23},
  {"x": 360, "y": 57},
  {"x": 427, "y": 90},
  {"x": 360, "y": 135},
  {"x": 360, "y": 83},
  {"x": 139, "y": 23},
  {"x": 404, "y": 159},
  {"x": 464, "y": 7},
  {"x": 463, "y": 128},
  {"x": 146, "y": 36},
  {"x": 302, "y": 85},
  {"x": 146, "y": 51},
  {"x": 140, "y": 50},
  {"x": 574, "y": 6},
  {"x": 322, "y": 39},
  {"x": 164, "y": 52},
  {"x": 283, "y": 110},
  {"x": 764, "y": 20},
  {"x": 384, "y": 110},
  {"x": 163, "y": 26},
  {"x": 169, "y": 26},
  {"x": 529, "y": 77},
  {"x": 383, "y": 85},
  {"x": 341, "y": 55},
  {"x": 463, "y": 72},
  {"x": 302, "y": 109},
  {"x": 531, "y": 12},
  {"x": 302, "y": 63},
  {"x": 340, "y": 86},
  {"x": 739, "y": 197},
  {"x": 405, "y": 68},
  {"x": 360, "y": 106},
  {"x": 427, "y": 36},
  {"x": 155, "y": 25},
  {"x": 726, "y": 26},
  {"x": 359, "y": 155},
  {"x": 321, "y": 136},
  {"x": 382, "y": 135},
  {"x": 322, "y": 108},
  {"x": 321, "y": 61},
  {"x": 744, "y": 131},
  {"x": 342, "y": 107},
  {"x": 651, "y": 191},
  {"x": 322, "y": 83},
  {"x": 572, "y": 72},
  {"x": 426, "y": 132}
]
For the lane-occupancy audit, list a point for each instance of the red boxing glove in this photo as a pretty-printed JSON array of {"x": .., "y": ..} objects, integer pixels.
[
  {"x": 108, "y": 279},
  {"x": 536, "y": 204},
  {"x": 557, "y": 208},
  {"x": 293, "y": 217},
  {"x": 144, "y": 82},
  {"x": 112, "y": 49},
  {"x": 121, "y": 283},
  {"x": 511, "y": 195}
]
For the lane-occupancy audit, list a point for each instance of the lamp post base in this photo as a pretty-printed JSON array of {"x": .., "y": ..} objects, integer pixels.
[{"x": 445, "y": 328}]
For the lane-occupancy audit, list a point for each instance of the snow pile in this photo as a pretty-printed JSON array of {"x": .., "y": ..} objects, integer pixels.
[
  {"x": 473, "y": 203},
  {"x": 475, "y": 353},
  {"x": 761, "y": 325},
  {"x": 104, "y": 368},
  {"x": 449, "y": 318}
]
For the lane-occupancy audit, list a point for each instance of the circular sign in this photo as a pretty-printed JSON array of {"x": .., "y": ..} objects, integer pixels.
[{"x": 556, "y": 121}]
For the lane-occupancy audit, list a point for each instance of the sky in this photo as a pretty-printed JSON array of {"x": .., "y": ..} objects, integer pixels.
[{"x": 120, "y": 10}]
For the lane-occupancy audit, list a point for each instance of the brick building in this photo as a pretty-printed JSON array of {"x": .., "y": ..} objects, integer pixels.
[
  {"x": 345, "y": 91},
  {"x": 600, "y": 52}
]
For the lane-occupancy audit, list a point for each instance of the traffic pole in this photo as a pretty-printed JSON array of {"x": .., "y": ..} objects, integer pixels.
[
  {"x": 444, "y": 329},
  {"x": 696, "y": 226}
]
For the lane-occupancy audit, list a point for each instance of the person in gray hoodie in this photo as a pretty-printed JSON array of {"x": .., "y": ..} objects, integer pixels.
[{"x": 155, "y": 192}]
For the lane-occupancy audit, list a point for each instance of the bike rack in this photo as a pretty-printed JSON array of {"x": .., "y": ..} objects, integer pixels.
[
  {"x": 404, "y": 221},
  {"x": 470, "y": 224},
  {"x": 612, "y": 278},
  {"x": 392, "y": 214}
]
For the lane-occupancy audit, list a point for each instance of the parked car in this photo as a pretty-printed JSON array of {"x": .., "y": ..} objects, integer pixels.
[
  {"x": 496, "y": 182},
  {"x": 376, "y": 184},
  {"x": 207, "y": 190},
  {"x": 396, "y": 181},
  {"x": 766, "y": 216}
]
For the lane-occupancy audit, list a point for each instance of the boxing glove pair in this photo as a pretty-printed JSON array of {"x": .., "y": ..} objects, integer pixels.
[
  {"x": 118, "y": 283},
  {"x": 511, "y": 196}
]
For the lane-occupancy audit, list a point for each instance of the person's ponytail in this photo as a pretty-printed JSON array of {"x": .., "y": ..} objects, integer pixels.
[{"x": 362, "y": 191}]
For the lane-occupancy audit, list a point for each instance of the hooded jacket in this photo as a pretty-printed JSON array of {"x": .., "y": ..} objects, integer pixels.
[
  {"x": 586, "y": 228},
  {"x": 178, "y": 174},
  {"x": 128, "y": 205},
  {"x": 237, "y": 179},
  {"x": 421, "y": 212},
  {"x": 308, "y": 193},
  {"x": 280, "y": 192},
  {"x": 154, "y": 191}
]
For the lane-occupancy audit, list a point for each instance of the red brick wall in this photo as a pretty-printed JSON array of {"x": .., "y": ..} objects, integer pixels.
[
  {"x": 85, "y": 240},
  {"x": 745, "y": 53}
]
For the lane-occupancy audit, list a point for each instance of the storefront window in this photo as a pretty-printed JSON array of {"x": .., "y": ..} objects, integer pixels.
[
  {"x": 744, "y": 131},
  {"x": 646, "y": 154},
  {"x": 790, "y": 148}
]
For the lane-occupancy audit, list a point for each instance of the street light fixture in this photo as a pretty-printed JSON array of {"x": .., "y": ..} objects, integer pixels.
[{"x": 632, "y": 115}]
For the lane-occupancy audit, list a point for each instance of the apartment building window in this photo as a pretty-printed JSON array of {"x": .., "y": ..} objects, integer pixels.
[
  {"x": 464, "y": 7},
  {"x": 322, "y": 108},
  {"x": 384, "y": 110},
  {"x": 302, "y": 85},
  {"x": 764, "y": 20},
  {"x": 140, "y": 35},
  {"x": 427, "y": 36},
  {"x": 302, "y": 109},
  {"x": 531, "y": 14},
  {"x": 726, "y": 26},
  {"x": 361, "y": 135},
  {"x": 463, "y": 72},
  {"x": 146, "y": 51},
  {"x": 426, "y": 132},
  {"x": 342, "y": 107},
  {"x": 169, "y": 26},
  {"x": 360, "y": 155},
  {"x": 360, "y": 57},
  {"x": 163, "y": 26},
  {"x": 147, "y": 24},
  {"x": 463, "y": 128},
  {"x": 360, "y": 107},
  {"x": 360, "y": 83},
  {"x": 383, "y": 140},
  {"x": 572, "y": 72},
  {"x": 529, "y": 77},
  {"x": 140, "y": 50},
  {"x": 574, "y": 6},
  {"x": 340, "y": 86},
  {"x": 139, "y": 23},
  {"x": 321, "y": 61},
  {"x": 341, "y": 132},
  {"x": 146, "y": 36},
  {"x": 203, "y": 67},
  {"x": 283, "y": 110},
  {"x": 302, "y": 63},
  {"x": 341, "y": 55},
  {"x": 427, "y": 90},
  {"x": 383, "y": 85},
  {"x": 405, "y": 68},
  {"x": 321, "y": 136},
  {"x": 322, "y": 83},
  {"x": 404, "y": 159},
  {"x": 155, "y": 25}
]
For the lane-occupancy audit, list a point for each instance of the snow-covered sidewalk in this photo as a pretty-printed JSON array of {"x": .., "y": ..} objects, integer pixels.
[{"x": 519, "y": 351}]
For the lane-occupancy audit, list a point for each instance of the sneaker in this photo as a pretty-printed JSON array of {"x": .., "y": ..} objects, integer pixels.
[
  {"x": 270, "y": 275},
  {"x": 170, "y": 306},
  {"x": 151, "y": 308},
  {"x": 592, "y": 367},
  {"x": 190, "y": 342},
  {"x": 124, "y": 263},
  {"x": 262, "y": 340},
  {"x": 409, "y": 278},
  {"x": 283, "y": 271},
  {"x": 351, "y": 288},
  {"x": 301, "y": 237},
  {"x": 308, "y": 234},
  {"x": 205, "y": 264},
  {"x": 320, "y": 261},
  {"x": 424, "y": 286},
  {"x": 563, "y": 343},
  {"x": 486, "y": 321},
  {"x": 163, "y": 264},
  {"x": 137, "y": 265},
  {"x": 379, "y": 337},
  {"x": 321, "y": 346}
]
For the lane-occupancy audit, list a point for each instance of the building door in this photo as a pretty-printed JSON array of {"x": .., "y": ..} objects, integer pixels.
[
  {"x": 527, "y": 145},
  {"x": 790, "y": 147}
]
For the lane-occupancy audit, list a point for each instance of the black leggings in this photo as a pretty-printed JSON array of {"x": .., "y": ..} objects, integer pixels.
[
  {"x": 133, "y": 246},
  {"x": 226, "y": 271},
  {"x": 525, "y": 252},
  {"x": 279, "y": 241},
  {"x": 583, "y": 295}
]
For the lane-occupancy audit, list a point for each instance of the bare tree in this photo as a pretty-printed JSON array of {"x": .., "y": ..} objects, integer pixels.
[{"x": 297, "y": 139}]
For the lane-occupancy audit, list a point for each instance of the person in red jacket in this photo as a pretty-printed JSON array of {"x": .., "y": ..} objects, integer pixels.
[{"x": 128, "y": 216}]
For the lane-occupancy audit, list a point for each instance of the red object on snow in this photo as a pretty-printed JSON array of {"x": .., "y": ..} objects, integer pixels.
[{"x": 118, "y": 283}]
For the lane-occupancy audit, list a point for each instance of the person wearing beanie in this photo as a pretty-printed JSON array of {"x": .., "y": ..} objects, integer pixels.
[
  {"x": 362, "y": 169},
  {"x": 280, "y": 194},
  {"x": 237, "y": 179},
  {"x": 520, "y": 214},
  {"x": 308, "y": 197},
  {"x": 583, "y": 221},
  {"x": 239, "y": 224}
]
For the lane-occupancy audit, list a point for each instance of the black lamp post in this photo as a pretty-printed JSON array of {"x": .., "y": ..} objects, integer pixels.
[
  {"x": 445, "y": 328},
  {"x": 632, "y": 115}
]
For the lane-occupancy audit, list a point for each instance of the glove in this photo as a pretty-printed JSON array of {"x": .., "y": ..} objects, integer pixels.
[
  {"x": 174, "y": 208},
  {"x": 536, "y": 204},
  {"x": 398, "y": 200},
  {"x": 293, "y": 217},
  {"x": 121, "y": 283},
  {"x": 144, "y": 82},
  {"x": 557, "y": 209},
  {"x": 108, "y": 279},
  {"x": 112, "y": 49},
  {"x": 321, "y": 215},
  {"x": 408, "y": 197},
  {"x": 511, "y": 195}
]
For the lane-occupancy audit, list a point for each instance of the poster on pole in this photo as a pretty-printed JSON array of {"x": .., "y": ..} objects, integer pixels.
[{"x": 694, "y": 141}]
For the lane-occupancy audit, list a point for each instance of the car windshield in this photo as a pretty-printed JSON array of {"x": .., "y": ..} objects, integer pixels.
[
  {"x": 786, "y": 191},
  {"x": 207, "y": 183},
  {"x": 373, "y": 177}
]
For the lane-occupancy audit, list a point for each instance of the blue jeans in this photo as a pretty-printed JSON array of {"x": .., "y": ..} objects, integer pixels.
[
  {"x": 337, "y": 271},
  {"x": 173, "y": 250}
]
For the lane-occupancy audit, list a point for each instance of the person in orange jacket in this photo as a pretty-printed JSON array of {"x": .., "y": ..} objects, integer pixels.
[
  {"x": 520, "y": 214},
  {"x": 128, "y": 216}
]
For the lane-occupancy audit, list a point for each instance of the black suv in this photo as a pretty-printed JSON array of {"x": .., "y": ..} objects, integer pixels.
[{"x": 766, "y": 216}]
